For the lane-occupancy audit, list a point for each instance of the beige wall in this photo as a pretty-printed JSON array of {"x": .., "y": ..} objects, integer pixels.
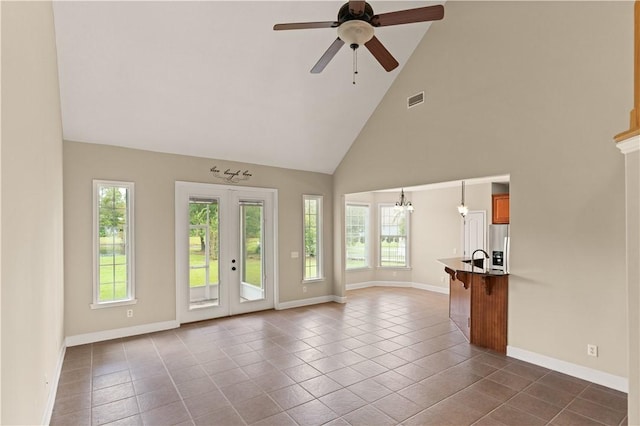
[
  {"x": 535, "y": 90},
  {"x": 154, "y": 175},
  {"x": 32, "y": 259}
]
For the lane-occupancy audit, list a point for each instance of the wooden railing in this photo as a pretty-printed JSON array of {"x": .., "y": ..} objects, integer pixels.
[{"x": 634, "y": 126}]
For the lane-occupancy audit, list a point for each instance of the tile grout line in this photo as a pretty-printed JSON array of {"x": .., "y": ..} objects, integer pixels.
[
  {"x": 175, "y": 387},
  {"x": 367, "y": 322},
  {"x": 209, "y": 377}
]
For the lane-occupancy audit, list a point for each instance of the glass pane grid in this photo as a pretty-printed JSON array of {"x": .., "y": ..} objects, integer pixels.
[
  {"x": 311, "y": 237},
  {"x": 393, "y": 239},
  {"x": 356, "y": 236},
  {"x": 113, "y": 255}
]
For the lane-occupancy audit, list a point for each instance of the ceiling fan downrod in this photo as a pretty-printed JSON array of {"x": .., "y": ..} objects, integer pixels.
[{"x": 354, "y": 47}]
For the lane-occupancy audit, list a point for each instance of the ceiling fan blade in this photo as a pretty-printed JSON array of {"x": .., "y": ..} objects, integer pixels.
[
  {"x": 305, "y": 25},
  {"x": 327, "y": 56},
  {"x": 381, "y": 53},
  {"x": 420, "y": 14},
  {"x": 356, "y": 7}
]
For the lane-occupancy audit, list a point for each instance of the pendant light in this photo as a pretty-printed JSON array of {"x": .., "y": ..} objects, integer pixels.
[
  {"x": 462, "y": 209},
  {"x": 403, "y": 204}
]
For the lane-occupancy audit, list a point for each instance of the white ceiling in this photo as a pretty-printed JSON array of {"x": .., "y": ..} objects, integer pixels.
[{"x": 212, "y": 79}]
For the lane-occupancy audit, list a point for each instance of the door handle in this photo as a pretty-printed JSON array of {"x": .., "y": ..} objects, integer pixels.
[{"x": 233, "y": 268}]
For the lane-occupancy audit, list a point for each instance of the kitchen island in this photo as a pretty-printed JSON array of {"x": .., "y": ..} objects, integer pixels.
[{"x": 478, "y": 301}]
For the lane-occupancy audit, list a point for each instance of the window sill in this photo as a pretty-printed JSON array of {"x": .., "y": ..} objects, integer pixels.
[
  {"x": 363, "y": 268},
  {"x": 314, "y": 280},
  {"x": 113, "y": 304},
  {"x": 396, "y": 268}
]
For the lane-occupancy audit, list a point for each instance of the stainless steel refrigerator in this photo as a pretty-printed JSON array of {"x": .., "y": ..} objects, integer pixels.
[{"x": 499, "y": 242}]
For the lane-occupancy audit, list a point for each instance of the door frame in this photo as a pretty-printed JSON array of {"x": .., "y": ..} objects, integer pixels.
[{"x": 183, "y": 191}]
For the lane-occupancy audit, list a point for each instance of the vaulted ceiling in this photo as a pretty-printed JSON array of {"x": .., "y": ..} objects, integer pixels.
[{"x": 212, "y": 79}]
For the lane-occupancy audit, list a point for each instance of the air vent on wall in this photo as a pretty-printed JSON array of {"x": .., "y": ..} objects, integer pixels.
[{"x": 415, "y": 100}]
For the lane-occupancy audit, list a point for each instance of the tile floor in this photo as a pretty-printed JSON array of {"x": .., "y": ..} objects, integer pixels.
[{"x": 389, "y": 356}]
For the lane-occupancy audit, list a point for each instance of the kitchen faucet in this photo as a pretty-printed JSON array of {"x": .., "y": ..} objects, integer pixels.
[{"x": 486, "y": 255}]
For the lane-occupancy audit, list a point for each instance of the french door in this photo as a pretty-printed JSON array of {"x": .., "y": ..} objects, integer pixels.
[{"x": 225, "y": 250}]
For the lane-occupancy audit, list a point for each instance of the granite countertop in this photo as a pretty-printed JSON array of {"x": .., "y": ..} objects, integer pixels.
[{"x": 459, "y": 264}]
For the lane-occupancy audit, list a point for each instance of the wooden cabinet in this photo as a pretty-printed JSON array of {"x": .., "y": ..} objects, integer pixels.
[
  {"x": 500, "y": 208},
  {"x": 478, "y": 306}
]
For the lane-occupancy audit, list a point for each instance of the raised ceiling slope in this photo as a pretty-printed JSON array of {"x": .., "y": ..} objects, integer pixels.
[{"x": 212, "y": 79}]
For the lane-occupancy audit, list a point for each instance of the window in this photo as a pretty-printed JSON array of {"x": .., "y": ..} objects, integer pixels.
[
  {"x": 357, "y": 236},
  {"x": 394, "y": 245},
  {"x": 113, "y": 243},
  {"x": 312, "y": 237}
]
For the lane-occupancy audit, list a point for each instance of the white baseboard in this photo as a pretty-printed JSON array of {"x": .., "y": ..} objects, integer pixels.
[
  {"x": 99, "y": 336},
  {"x": 406, "y": 284},
  {"x": 310, "y": 301},
  {"x": 53, "y": 387},
  {"x": 340, "y": 299},
  {"x": 429, "y": 287},
  {"x": 585, "y": 373}
]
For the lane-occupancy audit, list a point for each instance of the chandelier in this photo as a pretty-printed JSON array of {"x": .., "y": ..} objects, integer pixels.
[{"x": 403, "y": 204}]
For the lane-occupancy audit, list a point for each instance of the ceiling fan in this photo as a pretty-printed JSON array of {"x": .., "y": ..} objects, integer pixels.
[{"x": 355, "y": 24}]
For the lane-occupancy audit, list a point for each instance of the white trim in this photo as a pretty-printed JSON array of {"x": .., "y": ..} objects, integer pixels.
[
  {"x": 630, "y": 145},
  {"x": 53, "y": 386},
  {"x": 116, "y": 333},
  {"x": 433, "y": 288},
  {"x": 310, "y": 301},
  {"x": 405, "y": 284},
  {"x": 585, "y": 373},
  {"x": 113, "y": 304}
]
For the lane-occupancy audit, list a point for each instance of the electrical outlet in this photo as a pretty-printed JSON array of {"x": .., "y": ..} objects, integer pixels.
[
  {"x": 441, "y": 279},
  {"x": 455, "y": 251},
  {"x": 304, "y": 288},
  {"x": 592, "y": 350},
  {"x": 129, "y": 313}
]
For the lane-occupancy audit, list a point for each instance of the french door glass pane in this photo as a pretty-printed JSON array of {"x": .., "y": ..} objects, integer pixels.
[
  {"x": 251, "y": 283},
  {"x": 203, "y": 252}
]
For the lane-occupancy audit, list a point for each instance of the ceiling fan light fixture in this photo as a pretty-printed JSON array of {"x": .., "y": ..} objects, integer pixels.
[{"x": 355, "y": 32}]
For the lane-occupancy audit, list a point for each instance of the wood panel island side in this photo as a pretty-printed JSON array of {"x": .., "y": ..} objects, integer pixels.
[{"x": 478, "y": 302}]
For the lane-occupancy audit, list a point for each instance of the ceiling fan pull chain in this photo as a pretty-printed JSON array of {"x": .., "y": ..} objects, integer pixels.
[{"x": 355, "y": 61}]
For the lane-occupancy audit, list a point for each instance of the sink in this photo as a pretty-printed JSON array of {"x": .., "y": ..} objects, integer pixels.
[{"x": 478, "y": 263}]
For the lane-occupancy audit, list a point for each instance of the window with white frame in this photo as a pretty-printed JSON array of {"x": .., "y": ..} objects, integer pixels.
[
  {"x": 113, "y": 243},
  {"x": 312, "y": 237},
  {"x": 394, "y": 241},
  {"x": 357, "y": 236}
]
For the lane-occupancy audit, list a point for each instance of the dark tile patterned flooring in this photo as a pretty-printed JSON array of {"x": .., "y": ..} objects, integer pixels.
[{"x": 389, "y": 356}]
